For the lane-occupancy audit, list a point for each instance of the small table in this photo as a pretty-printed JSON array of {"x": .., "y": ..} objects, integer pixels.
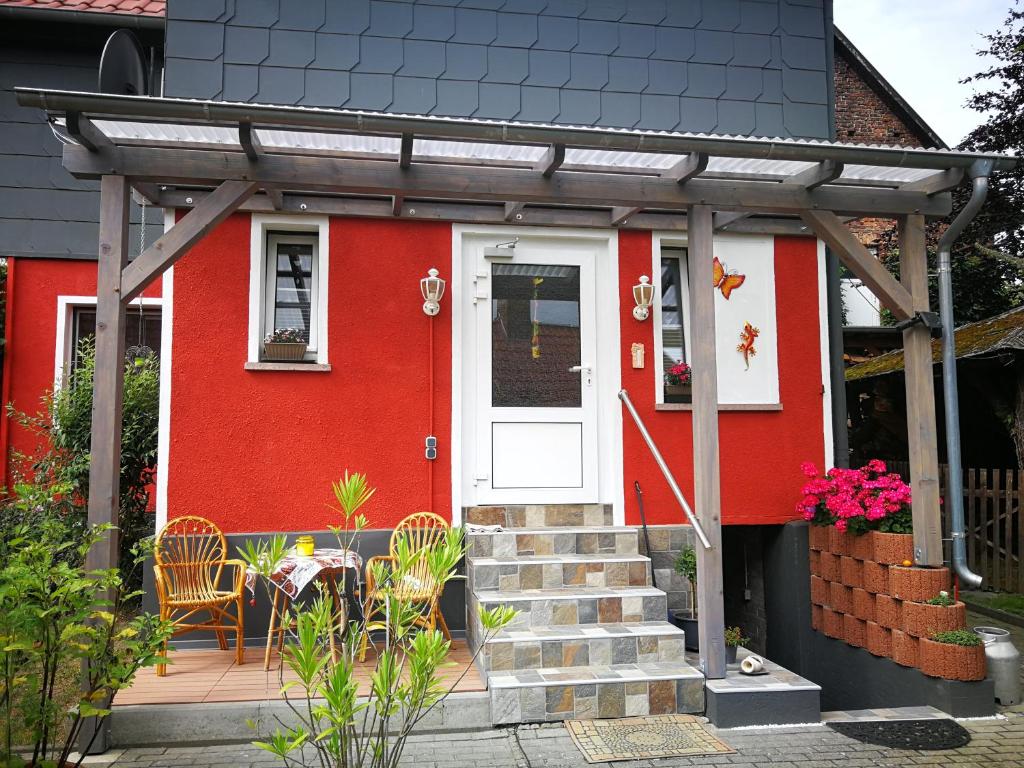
[{"x": 294, "y": 573}]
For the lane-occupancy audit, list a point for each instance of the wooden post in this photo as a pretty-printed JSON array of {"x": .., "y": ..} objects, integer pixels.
[
  {"x": 108, "y": 388},
  {"x": 706, "y": 471},
  {"x": 922, "y": 435}
]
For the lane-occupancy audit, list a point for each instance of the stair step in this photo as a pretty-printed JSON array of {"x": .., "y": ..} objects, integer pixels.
[
  {"x": 562, "y": 570},
  {"x": 579, "y": 539},
  {"x": 576, "y": 605},
  {"x": 583, "y": 644},
  {"x": 618, "y": 690},
  {"x": 539, "y": 515}
]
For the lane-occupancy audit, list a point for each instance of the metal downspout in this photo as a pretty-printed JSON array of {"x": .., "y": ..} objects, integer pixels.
[{"x": 979, "y": 173}]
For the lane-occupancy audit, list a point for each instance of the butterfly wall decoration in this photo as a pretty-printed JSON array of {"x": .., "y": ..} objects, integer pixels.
[{"x": 726, "y": 281}]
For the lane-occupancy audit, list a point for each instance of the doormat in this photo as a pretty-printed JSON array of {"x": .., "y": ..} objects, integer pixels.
[
  {"x": 907, "y": 734},
  {"x": 638, "y": 738}
]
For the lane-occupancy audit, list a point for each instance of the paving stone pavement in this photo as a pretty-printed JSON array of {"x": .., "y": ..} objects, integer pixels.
[{"x": 996, "y": 743}]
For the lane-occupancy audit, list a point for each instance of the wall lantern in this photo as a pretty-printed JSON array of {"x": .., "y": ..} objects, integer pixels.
[
  {"x": 643, "y": 295},
  {"x": 432, "y": 288}
]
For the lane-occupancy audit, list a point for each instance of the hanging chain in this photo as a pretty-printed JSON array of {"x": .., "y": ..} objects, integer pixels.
[{"x": 139, "y": 351}]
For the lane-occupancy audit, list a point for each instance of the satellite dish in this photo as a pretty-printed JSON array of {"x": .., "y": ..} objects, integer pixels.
[{"x": 122, "y": 66}]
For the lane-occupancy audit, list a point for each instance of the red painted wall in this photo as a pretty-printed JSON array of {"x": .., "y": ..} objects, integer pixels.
[
  {"x": 33, "y": 288},
  {"x": 258, "y": 450},
  {"x": 760, "y": 452}
]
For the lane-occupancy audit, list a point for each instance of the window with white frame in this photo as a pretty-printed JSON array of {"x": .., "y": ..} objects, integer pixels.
[
  {"x": 674, "y": 298},
  {"x": 288, "y": 290}
]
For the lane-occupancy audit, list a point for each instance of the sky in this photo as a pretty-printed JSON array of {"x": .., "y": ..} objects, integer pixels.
[{"x": 924, "y": 48}]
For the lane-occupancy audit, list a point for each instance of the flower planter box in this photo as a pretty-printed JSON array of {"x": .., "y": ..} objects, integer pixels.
[
  {"x": 816, "y": 617},
  {"x": 904, "y": 648},
  {"x": 819, "y": 591},
  {"x": 924, "y": 620},
  {"x": 283, "y": 352},
  {"x": 951, "y": 662},
  {"x": 892, "y": 548},
  {"x": 817, "y": 536},
  {"x": 876, "y": 577},
  {"x": 840, "y": 598},
  {"x": 879, "y": 639},
  {"x": 832, "y": 623},
  {"x": 814, "y": 558},
  {"x": 828, "y": 565},
  {"x": 862, "y": 547},
  {"x": 917, "y": 584},
  {"x": 888, "y": 612},
  {"x": 838, "y": 542},
  {"x": 851, "y": 572},
  {"x": 863, "y": 605},
  {"x": 855, "y": 631}
]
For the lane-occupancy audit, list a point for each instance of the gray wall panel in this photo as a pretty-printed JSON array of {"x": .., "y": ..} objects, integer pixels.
[{"x": 605, "y": 60}]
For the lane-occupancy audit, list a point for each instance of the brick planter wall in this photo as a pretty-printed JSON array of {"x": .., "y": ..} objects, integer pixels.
[{"x": 862, "y": 592}]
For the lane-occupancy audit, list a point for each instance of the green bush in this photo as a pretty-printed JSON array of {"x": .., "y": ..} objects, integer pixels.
[
  {"x": 957, "y": 637},
  {"x": 734, "y": 637},
  {"x": 942, "y": 598}
]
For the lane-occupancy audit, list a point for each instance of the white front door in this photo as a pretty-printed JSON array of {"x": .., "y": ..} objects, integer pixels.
[{"x": 532, "y": 322}]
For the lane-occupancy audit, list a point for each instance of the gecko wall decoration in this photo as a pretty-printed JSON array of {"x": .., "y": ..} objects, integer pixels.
[{"x": 746, "y": 345}]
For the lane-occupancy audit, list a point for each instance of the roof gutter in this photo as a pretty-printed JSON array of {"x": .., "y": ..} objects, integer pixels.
[
  {"x": 128, "y": 20},
  {"x": 103, "y": 106},
  {"x": 979, "y": 173}
]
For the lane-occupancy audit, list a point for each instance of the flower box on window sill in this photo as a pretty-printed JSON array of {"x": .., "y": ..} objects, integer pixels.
[
  {"x": 678, "y": 393},
  {"x": 284, "y": 352}
]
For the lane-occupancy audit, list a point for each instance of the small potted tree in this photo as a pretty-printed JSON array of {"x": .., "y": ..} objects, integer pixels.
[
  {"x": 733, "y": 640},
  {"x": 955, "y": 655},
  {"x": 686, "y": 565},
  {"x": 285, "y": 345}
]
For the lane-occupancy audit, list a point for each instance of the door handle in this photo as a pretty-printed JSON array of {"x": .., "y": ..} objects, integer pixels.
[{"x": 580, "y": 368}]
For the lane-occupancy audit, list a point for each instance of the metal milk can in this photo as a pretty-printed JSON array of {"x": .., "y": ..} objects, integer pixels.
[{"x": 1003, "y": 661}]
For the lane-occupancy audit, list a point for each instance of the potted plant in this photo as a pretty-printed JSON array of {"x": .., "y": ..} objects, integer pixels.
[
  {"x": 733, "y": 639},
  {"x": 955, "y": 655},
  {"x": 686, "y": 565},
  {"x": 677, "y": 379},
  {"x": 938, "y": 614},
  {"x": 285, "y": 345}
]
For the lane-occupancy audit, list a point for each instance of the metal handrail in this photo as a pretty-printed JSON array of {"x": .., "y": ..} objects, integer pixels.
[{"x": 624, "y": 397}]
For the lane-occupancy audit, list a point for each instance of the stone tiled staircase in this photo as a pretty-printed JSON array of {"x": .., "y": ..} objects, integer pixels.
[{"x": 591, "y": 639}]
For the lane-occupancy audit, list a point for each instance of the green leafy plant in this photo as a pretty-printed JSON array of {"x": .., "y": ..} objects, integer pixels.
[
  {"x": 734, "y": 637},
  {"x": 56, "y": 619},
  {"x": 686, "y": 565},
  {"x": 942, "y": 598},
  {"x": 333, "y": 726},
  {"x": 958, "y": 637}
]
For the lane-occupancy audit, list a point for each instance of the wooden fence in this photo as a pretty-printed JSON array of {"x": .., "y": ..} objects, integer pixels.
[{"x": 993, "y": 499}]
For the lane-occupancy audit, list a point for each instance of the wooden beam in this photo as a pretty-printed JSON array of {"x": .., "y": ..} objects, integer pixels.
[
  {"x": 422, "y": 180},
  {"x": 514, "y": 211},
  {"x": 405, "y": 153},
  {"x": 174, "y": 243},
  {"x": 922, "y": 431},
  {"x": 621, "y": 214},
  {"x": 690, "y": 166},
  {"x": 821, "y": 173},
  {"x": 85, "y": 132},
  {"x": 276, "y": 197},
  {"x": 861, "y": 262},
  {"x": 723, "y": 219},
  {"x": 108, "y": 391},
  {"x": 249, "y": 141},
  {"x": 937, "y": 183},
  {"x": 552, "y": 160},
  {"x": 706, "y": 469},
  {"x": 148, "y": 192}
]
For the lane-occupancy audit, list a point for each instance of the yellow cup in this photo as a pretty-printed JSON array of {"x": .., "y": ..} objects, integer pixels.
[{"x": 304, "y": 546}]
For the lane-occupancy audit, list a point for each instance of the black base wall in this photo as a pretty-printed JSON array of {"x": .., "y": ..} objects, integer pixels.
[
  {"x": 257, "y": 618},
  {"x": 850, "y": 678}
]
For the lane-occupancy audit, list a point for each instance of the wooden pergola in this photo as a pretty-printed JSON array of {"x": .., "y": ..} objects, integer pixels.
[{"x": 216, "y": 158}]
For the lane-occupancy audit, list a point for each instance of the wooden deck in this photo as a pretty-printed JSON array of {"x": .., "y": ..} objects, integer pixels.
[{"x": 205, "y": 676}]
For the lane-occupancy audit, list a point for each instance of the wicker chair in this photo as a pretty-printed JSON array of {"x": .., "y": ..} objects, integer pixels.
[
  {"x": 422, "y": 530},
  {"x": 189, "y": 560}
]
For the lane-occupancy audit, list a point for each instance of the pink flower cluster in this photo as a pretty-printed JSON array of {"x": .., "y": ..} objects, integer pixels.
[{"x": 858, "y": 498}]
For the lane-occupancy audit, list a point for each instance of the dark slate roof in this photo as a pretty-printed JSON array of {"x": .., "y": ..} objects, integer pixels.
[{"x": 749, "y": 67}]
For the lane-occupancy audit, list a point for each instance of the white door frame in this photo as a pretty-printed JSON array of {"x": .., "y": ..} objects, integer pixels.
[{"x": 607, "y": 365}]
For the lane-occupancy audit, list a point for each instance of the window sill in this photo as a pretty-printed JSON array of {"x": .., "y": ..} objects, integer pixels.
[
  {"x": 307, "y": 367},
  {"x": 721, "y": 406}
]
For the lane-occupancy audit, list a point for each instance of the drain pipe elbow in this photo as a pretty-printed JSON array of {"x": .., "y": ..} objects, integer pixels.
[{"x": 979, "y": 173}]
